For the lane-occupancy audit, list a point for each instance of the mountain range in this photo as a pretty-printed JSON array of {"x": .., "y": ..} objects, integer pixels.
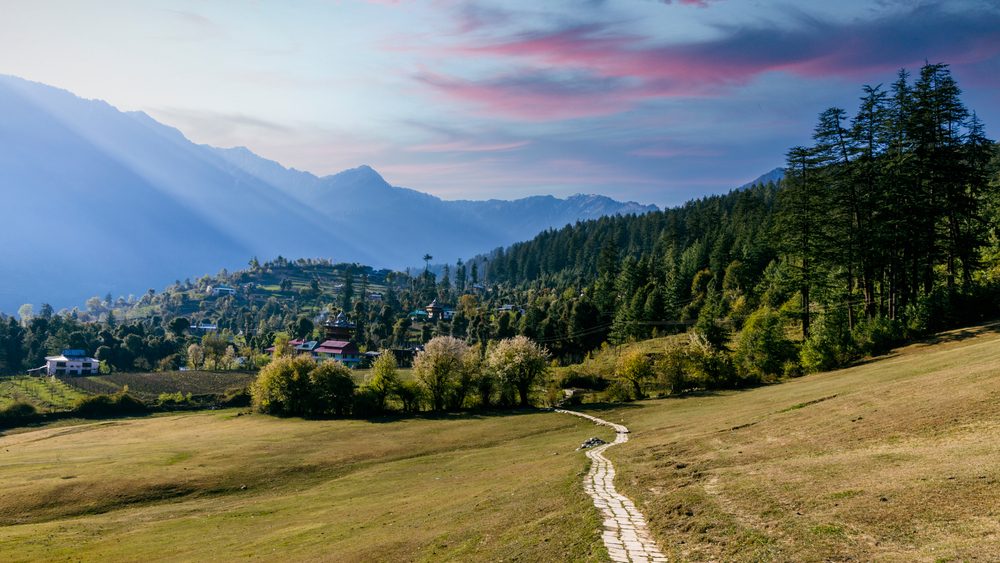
[{"x": 96, "y": 201}]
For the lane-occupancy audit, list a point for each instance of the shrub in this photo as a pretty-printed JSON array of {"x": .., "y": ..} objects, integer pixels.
[
  {"x": 236, "y": 397},
  {"x": 331, "y": 390},
  {"x": 446, "y": 368},
  {"x": 708, "y": 366},
  {"x": 762, "y": 348},
  {"x": 108, "y": 406},
  {"x": 173, "y": 399},
  {"x": 634, "y": 368},
  {"x": 671, "y": 371},
  {"x": 18, "y": 410},
  {"x": 411, "y": 395},
  {"x": 17, "y": 413},
  {"x": 583, "y": 381},
  {"x": 383, "y": 379},
  {"x": 297, "y": 386},
  {"x": 618, "y": 392},
  {"x": 830, "y": 345},
  {"x": 518, "y": 363},
  {"x": 367, "y": 402},
  {"x": 554, "y": 395},
  {"x": 877, "y": 335}
]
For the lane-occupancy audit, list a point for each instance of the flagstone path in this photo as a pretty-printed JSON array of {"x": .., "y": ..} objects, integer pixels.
[{"x": 625, "y": 533}]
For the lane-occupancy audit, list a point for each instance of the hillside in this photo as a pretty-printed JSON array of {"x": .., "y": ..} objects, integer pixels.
[
  {"x": 892, "y": 460},
  {"x": 225, "y": 487},
  {"x": 126, "y": 203}
]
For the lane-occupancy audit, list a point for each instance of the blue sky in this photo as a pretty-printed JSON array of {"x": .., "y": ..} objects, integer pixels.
[{"x": 653, "y": 101}]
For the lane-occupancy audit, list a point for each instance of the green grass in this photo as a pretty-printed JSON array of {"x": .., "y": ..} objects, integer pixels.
[
  {"x": 45, "y": 393},
  {"x": 220, "y": 486},
  {"x": 892, "y": 460}
]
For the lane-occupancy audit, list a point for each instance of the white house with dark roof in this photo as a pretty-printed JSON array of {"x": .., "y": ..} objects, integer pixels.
[
  {"x": 71, "y": 362},
  {"x": 217, "y": 290}
]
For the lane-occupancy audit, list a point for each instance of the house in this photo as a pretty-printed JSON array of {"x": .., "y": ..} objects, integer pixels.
[
  {"x": 202, "y": 328},
  {"x": 434, "y": 310},
  {"x": 302, "y": 346},
  {"x": 375, "y": 297},
  {"x": 508, "y": 308},
  {"x": 217, "y": 290},
  {"x": 437, "y": 312},
  {"x": 339, "y": 328},
  {"x": 418, "y": 315},
  {"x": 71, "y": 362},
  {"x": 298, "y": 347},
  {"x": 342, "y": 351}
]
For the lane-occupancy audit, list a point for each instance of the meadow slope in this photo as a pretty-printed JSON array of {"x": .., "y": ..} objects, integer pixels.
[
  {"x": 893, "y": 460},
  {"x": 218, "y": 486}
]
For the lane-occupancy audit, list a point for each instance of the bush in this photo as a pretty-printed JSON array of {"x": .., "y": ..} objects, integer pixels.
[
  {"x": 619, "y": 392},
  {"x": 762, "y": 348},
  {"x": 17, "y": 413},
  {"x": 367, "y": 402},
  {"x": 671, "y": 371},
  {"x": 446, "y": 368},
  {"x": 708, "y": 366},
  {"x": 830, "y": 345},
  {"x": 108, "y": 406},
  {"x": 297, "y": 386},
  {"x": 635, "y": 368},
  {"x": 236, "y": 397},
  {"x": 331, "y": 390},
  {"x": 411, "y": 395},
  {"x": 877, "y": 335},
  {"x": 173, "y": 399},
  {"x": 383, "y": 379},
  {"x": 518, "y": 363},
  {"x": 583, "y": 381},
  {"x": 19, "y": 410}
]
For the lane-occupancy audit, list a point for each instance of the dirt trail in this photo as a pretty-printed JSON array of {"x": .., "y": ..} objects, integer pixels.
[{"x": 625, "y": 533}]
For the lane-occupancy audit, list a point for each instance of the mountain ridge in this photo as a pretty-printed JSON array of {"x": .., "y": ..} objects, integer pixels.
[{"x": 105, "y": 201}]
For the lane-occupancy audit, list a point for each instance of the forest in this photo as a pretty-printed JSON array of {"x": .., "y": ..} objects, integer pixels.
[{"x": 882, "y": 230}]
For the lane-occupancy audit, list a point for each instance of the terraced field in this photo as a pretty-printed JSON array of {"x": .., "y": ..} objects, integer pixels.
[
  {"x": 149, "y": 386},
  {"x": 47, "y": 394}
]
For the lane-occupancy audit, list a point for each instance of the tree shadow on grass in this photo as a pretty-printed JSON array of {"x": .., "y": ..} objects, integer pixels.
[{"x": 961, "y": 334}]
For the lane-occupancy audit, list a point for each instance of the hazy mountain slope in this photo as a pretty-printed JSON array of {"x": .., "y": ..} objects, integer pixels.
[{"x": 96, "y": 200}]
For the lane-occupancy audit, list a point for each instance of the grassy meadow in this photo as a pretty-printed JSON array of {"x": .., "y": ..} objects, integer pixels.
[
  {"x": 893, "y": 460},
  {"x": 221, "y": 486}
]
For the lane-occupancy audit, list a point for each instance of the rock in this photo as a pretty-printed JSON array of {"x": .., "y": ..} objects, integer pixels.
[{"x": 591, "y": 443}]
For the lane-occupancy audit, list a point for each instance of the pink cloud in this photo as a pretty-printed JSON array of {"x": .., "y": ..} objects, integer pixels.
[
  {"x": 528, "y": 97},
  {"x": 675, "y": 152},
  {"x": 593, "y": 70},
  {"x": 698, "y": 3},
  {"x": 465, "y": 146}
]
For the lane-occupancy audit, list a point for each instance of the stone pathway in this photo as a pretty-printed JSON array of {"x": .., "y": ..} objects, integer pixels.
[{"x": 625, "y": 533}]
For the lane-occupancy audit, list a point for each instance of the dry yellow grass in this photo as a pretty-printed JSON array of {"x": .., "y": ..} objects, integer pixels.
[
  {"x": 894, "y": 460},
  {"x": 217, "y": 486}
]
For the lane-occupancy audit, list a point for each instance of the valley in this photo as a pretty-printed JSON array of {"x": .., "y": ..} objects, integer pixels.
[{"x": 886, "y": 460}]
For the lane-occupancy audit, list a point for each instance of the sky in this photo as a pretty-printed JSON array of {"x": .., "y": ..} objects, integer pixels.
[{"x": 655, "y": 101}]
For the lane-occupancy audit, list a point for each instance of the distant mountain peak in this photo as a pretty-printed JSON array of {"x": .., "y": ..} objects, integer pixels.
[
  {"x": 363, "y": 173},
  {"x": 183, "y": 209},
  {"x": 774, "y": 175}
]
